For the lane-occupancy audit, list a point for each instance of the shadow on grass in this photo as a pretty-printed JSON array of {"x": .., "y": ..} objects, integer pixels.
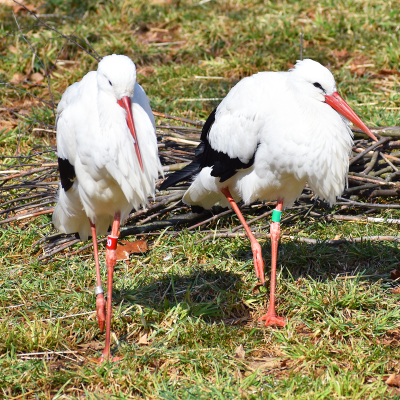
[
  {"x": 323, "y": 261},
  {"x": 204, "y": 293}
]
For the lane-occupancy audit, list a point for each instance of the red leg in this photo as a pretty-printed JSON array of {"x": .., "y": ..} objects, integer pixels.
[
  {"x": 270, "y": 317},
  {"x": 100, "y": 301},
  {"x": 255, "y": 246},
  {"x": 111, "y": 259}
]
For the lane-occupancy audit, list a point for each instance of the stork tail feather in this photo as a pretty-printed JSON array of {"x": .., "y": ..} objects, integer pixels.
[{"x": 182, "y": 175}]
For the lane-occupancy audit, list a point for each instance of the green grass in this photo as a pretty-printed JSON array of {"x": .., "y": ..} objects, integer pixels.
[{"x": 197, "y": 302}]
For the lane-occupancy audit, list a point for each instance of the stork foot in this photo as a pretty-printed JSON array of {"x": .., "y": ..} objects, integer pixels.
[
  {"x": 258, "y": 261},
  {"x": 101, "y": 311},
  {"x": 271, "y": 318},
  {"x": 103, "y": 359}
]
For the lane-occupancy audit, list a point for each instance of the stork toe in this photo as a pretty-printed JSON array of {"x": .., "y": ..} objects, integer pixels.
[
  {"x": 271, "y": 318},
  {"x": 103, "y": 359}
]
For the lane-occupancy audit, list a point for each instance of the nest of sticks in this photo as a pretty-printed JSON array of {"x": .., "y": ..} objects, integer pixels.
[{"x": 28, "y": 188}]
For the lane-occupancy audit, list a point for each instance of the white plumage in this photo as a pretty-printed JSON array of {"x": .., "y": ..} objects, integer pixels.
[
  {"x": 296, "y": 138},
  {"x": 93, "y": 135},
  {"x": 108, "y": 162},
  {"x": 271, "y": 134}
]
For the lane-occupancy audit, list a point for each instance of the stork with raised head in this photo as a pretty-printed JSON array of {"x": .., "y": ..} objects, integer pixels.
[
  {"x": 108, "y": 161},
  {"x": 271, "y": 134}
]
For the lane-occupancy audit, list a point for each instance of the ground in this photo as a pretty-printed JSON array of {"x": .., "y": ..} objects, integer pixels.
[{"x": 185, "y": 313}]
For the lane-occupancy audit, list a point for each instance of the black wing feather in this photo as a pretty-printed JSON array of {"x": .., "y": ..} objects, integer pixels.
[
  {"x": 182, "y": 175},
  {"x": 223, "y": 166},
  {"x": 67, "y": 173},
  {"x": 197, "y": 164}
]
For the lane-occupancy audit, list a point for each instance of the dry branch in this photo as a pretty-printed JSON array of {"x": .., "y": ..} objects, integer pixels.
[
  {"x": 386, "y": 131},
  {"x": 376, "y": 181},
  {"x": 362, "y": 218},
  {"x": 27, "y": 215},
  {"x": 306, "y": 240}
]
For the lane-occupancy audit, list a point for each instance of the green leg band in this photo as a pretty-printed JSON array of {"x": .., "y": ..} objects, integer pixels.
[{"x": 276, "y": 216}]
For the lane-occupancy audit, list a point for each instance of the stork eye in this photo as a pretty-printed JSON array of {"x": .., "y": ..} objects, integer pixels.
[
  {"x": 110, "y": 83},
  {"x": 318, "y": 85}
]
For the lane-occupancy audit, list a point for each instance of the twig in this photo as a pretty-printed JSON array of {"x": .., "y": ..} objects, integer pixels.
[
  {"x": 26, "y": 173},
  {"x": 361, "y": 276},
  {"x": 65, "y": 316},
  {"x": 174, "y": 167},
  {"x": 52, "y": 244},
  {"x": 47, "y": 352},
  {"x": 254, "y": 220},
  {"x": 213, "y": 218},
  {"x": 28, "y": 215},
  {"x": 88, "y": 44},
  {"x": 371, "y": 164},
  {"x": 387, "y": 192},
  {"x": 361, "y": 187},
  {"x": 65, "y": 246},
  {"x": 29, "y": 205},
  {"x": 184, "y": 141},
  {"x": 88, "y": 246},
  {"x": 203, "y": 99},
  {"x": 382, "y": 131},
  {"x": 378, "y": 182},
  {"x": 368, "y": 149},
  {"x": 175, "y": 158},
  {"x": 388, "y": 161},
  {"x": 24, "y": 198},
  {"x": 156, "y": 206},
  {"x": 195, "y": 131},
  {"x": 394, "y": 145},
  {"x": 15, "y": 306},
  {"x": 55, "y": 30},
  {"x": 354, "y": 218},
  {"x": 305, "y": 240},
  {"x": 159, "y": 213},
  {"x": 390, "y": 177},
  {"x": 44, "y": 130},
  {"x": 370, "y": 205}
]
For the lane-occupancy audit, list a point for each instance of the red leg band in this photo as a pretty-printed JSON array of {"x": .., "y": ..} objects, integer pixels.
[{"x": 112, "y": 242}]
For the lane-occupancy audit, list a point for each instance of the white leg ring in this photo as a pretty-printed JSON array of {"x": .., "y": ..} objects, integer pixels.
[{"x": 98, "y": 290}]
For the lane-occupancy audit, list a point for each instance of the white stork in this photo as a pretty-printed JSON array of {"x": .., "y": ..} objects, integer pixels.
[
  {"x": 271, "y": 134},
  {"x": 108, "y": 161}
]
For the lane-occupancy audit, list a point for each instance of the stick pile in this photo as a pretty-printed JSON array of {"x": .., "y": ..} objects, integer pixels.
[{"x": 28, "y": 187}]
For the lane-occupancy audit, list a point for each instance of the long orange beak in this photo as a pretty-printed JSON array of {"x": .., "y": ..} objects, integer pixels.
[
  {"x": 125, "y": 103},
  {"x": 337, "y": 102}
]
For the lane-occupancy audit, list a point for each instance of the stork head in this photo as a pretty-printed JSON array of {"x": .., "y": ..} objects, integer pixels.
[
  {"x": 116, "y": 76},
  {"x": 318, "y": 82}
]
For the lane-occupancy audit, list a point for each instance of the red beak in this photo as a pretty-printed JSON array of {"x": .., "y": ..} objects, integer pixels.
[
  {"x": 337, "y": 102},
  {"x": 125, "y": 103}
]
